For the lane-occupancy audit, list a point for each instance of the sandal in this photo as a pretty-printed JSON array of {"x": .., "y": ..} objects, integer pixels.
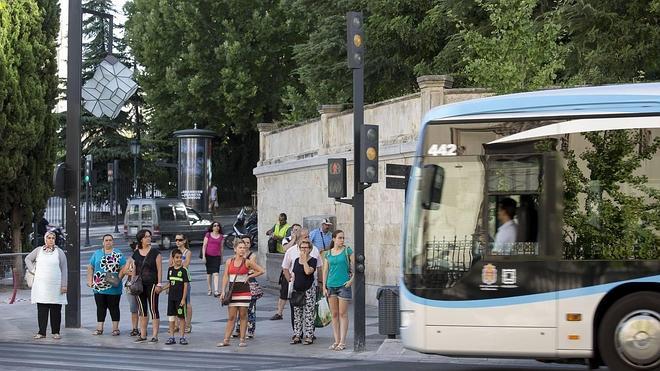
[
  {"x": 242, "y": 344},
  {"x": 340, "y": 347},
  {"x": 208, "y": 293},
  {"x": 224, "y": 343},
  {"x": 115, "y": 333},
  {"x": 333, "y": 346},
  {"x": 188, "y": 329},
  {"x": 308, "y": 341},
  {"x": 295, "y": 340},
  {"x": 97, "y": 332},
  {"x": 38, "y": 336},
  {"x": 216, "y": 294}
]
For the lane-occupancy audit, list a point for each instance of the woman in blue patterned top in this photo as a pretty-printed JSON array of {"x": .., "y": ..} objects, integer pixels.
[{"x": 104, "y": 263}]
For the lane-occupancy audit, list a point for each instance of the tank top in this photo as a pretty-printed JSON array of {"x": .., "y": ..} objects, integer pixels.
[{"x": 213, "y": 245}]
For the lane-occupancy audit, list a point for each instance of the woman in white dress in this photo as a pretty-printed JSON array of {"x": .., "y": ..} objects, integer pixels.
[{"x": 48, "y": 265}]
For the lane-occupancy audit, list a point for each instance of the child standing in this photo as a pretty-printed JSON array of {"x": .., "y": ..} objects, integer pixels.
[{"x": 177, "y": 276}]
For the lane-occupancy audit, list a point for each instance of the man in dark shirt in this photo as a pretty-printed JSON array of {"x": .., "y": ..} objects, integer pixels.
[{"x": 177, "y": 276}]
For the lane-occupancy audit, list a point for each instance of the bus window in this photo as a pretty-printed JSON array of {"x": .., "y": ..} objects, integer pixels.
[{"x": 513, "y": 188}]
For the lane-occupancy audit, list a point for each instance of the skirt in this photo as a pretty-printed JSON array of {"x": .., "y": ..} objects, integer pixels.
[
  {"x": 240, "y": 295},
  {"x": 213, "y": 264}
]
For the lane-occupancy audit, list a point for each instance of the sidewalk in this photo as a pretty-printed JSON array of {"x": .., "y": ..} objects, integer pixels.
[{"x": 272, "y": 337}]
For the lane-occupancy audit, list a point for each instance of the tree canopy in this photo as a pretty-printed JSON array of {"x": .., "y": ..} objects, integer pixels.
[{"x": 28, "y": 91}]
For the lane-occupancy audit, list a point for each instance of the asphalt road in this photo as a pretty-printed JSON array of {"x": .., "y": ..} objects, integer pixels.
[{"x": 29, "y": 356}]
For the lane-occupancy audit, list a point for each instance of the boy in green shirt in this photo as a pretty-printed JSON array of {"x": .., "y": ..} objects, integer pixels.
[{"x": 177, "y": 277}]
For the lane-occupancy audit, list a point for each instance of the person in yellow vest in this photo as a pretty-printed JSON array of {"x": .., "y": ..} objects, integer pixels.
[{"x": 279, "y": 231}]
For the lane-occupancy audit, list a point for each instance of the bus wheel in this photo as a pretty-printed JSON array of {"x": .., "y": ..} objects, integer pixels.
[{"x": 629, "y": 334}]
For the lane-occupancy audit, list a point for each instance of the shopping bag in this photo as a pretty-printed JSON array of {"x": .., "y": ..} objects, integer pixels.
[{"x": 323, "y": 314}]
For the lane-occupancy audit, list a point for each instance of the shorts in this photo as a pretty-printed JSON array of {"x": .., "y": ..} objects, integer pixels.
[
  {"x": 213, "y": 264},
  {"x": 188, "y": 293},
  {"x": 175, "y": 310},
  {"x": 343, "y": 292},
  {"x": 284, "y": 287},
  {"x": 132, "y": 302}
]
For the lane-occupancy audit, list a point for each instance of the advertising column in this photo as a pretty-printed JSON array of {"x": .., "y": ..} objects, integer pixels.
[{"x": 194, "y": 165}]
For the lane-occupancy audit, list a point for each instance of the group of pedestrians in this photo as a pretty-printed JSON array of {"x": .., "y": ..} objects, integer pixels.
[{"x": 316, "y": 266}]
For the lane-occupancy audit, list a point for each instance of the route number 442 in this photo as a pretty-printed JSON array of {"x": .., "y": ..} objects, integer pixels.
[{"x": 442, "y": 150}]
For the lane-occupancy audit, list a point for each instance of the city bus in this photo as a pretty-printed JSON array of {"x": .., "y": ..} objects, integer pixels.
[{"x": 532, "y": 228}]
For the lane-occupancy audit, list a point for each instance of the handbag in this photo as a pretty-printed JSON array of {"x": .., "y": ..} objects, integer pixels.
[
  {"x": 113, "y": 279},
  {"x": 298, "y": 298},
  {"x": 134, "y": 284},
  {"x": 229, "y": 289},
  {"x": 29, "y": 278},
  {"x": 272, "y": 245},
  {"x": 255, "y": 290}
]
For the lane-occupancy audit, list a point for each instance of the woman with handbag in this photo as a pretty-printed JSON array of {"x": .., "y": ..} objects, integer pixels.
[
  {"x": 303, "y": 297},
  {"x": 338, "y": 279},
  {"x": 49, "y": 286},
  {"x": 104, "y": 273},
  {"x": 236, "y": 290},
  {"x": 148, "y": 271},
  {"x": 256, "y": 292}
]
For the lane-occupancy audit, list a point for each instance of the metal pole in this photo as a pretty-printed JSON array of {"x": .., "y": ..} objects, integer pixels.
[
  {"x": 358, "y": 213},
  {"x": 135, "y": 176},
  {"x": 73, "y": 93},
  {"x": 115, "y": 180},
  {"x": 87, "y": 215}
]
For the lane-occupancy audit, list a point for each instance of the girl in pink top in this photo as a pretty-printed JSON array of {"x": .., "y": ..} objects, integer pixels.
[{"x": 212, "y": 256}]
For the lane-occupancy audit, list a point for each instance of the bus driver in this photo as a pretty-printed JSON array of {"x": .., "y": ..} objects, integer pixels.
[{"x": 506, "y": 233}]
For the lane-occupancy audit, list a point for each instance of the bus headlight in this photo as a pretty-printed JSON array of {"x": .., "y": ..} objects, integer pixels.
[{"x": 407, "y": 317}]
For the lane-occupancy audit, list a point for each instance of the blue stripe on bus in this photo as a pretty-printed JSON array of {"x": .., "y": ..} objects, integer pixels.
[{"x": 524, "y": 299}]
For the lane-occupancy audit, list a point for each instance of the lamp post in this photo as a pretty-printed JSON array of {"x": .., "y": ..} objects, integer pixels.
[{"x": 135, "y": 151}]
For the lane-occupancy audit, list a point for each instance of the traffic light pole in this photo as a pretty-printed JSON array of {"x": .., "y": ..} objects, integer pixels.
[
  {"x": 358, "y": 215},
  {"x": 73, "y": 93},
  {"x": 87, "y": 214}
]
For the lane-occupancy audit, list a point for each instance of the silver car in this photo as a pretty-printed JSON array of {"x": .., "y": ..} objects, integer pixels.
[{"x": 165, "y": 217}]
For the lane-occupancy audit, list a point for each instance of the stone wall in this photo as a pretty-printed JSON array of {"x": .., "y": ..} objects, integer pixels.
[{"x": 291, "y": 173}]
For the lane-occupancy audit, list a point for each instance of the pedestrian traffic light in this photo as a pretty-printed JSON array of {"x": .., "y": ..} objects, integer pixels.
[
  {"x": 354, "y": 40},
  {"x": 87, "y": 177},
  {"x": 369, "y": 154},
  {"x": 336, "y": 177}
]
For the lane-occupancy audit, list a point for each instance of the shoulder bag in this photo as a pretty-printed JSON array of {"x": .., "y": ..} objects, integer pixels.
[
  {"x": 255, "y": 289},
  {"x": 134, "y": 284},
  {"x": 230, "y": 288},
  {"x": 29, "y": 276},
  {"x": 298, "y": 298}
]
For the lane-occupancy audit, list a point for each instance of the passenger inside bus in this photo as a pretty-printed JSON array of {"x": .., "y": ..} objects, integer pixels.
[{"x": 507, "y": 233}]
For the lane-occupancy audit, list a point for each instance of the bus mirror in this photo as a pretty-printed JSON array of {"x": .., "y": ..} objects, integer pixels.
[{"x": 433, "y": 177}]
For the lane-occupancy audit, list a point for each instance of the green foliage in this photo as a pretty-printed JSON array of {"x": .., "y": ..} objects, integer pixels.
[
  {"x": 612, "y": 212},
  {"x": 28, "y": 88},
  {"x": 612, "y": 40},
  {"x": 519, "y": 53}
]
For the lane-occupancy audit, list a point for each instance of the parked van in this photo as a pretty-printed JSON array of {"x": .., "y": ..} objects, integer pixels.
[{"x": 165, "y": 217}]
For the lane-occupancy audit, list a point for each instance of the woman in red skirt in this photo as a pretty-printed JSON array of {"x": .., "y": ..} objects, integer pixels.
[{"x": 237, "y": 273}]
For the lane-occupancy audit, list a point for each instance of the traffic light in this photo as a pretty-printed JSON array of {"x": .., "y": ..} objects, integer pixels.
[
  {"x": 87, "y": 177},
  {"x": 369, "y": 154},
  {"x": 354, "y": 40},
  {"x": 336, "y": 177}
]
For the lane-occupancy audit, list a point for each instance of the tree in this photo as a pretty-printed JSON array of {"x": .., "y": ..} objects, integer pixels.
[
  {"x": 28, "y": 90},
  {"x": 519, "y": 53},
  {"x": 595, "y": 56}
]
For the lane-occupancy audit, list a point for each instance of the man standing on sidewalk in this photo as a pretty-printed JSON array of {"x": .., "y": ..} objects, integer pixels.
[{"x": 321, "y": 236}]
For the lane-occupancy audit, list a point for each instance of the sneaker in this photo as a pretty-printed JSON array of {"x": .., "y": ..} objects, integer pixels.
[
  {"x": 276, "y": 317},
  {"x": 170, "y": 341},
  {"x": 39, "y": 336},
  {"x": 57, "y": 336},
  {"x": 153, "y": 340},
  {"x": 140, "y": 340},
  {"x": 183, "y": 341},
  {"x": 134, "y": 332}
]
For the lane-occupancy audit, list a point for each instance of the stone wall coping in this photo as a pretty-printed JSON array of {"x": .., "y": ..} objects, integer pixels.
[
  {"x": 468, "y": 91},
  {"x": 445, "y": 81}
]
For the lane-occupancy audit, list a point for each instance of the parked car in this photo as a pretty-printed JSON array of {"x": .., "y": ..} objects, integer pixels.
[{"x": 165, "y": 217}]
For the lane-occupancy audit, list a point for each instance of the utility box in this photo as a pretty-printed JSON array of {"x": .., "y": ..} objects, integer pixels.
[{"x": 388, "y": 311}]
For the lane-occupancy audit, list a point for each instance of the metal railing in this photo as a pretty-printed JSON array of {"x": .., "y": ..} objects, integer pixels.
[{"x": 11, "y": 273}]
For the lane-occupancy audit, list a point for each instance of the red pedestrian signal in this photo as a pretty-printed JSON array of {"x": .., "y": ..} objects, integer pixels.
[{"x": 336, "y": 177}]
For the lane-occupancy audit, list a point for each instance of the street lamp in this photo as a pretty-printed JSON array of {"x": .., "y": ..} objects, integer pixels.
[{"x": 135, "y": 151}]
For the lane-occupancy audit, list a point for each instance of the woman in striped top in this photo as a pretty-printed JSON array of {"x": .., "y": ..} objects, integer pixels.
[{"x": 238, "y": 270}]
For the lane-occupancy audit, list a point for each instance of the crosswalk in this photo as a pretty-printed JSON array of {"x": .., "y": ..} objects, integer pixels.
[{"x": 26, "y": 356}]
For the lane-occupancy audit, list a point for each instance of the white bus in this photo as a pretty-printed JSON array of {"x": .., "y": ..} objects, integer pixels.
[{"x": 532, "y": 228}]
